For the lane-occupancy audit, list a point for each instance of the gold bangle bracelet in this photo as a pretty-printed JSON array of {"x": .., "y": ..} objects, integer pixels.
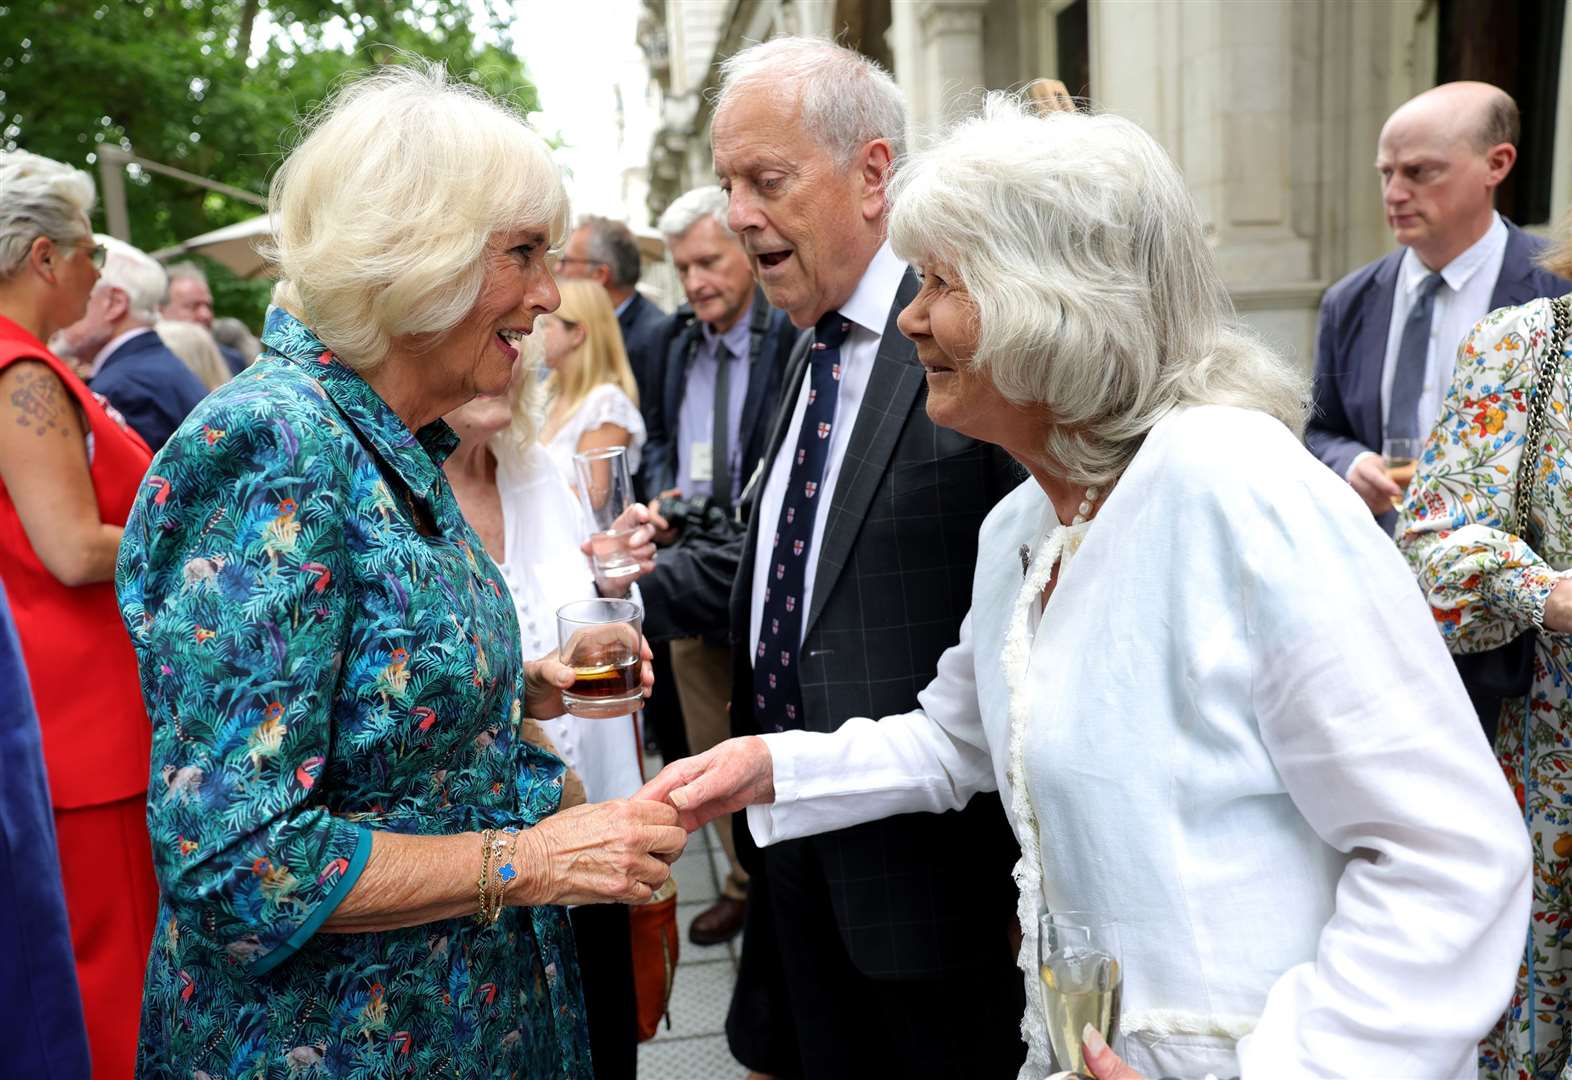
[{"x": 485, "y": 873}]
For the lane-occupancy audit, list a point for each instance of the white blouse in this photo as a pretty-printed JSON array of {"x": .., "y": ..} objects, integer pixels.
[
  {"x": 542, "y": 529},
  {"x": 604, "y": 404},
  {"x": 1241, "y": 738}
]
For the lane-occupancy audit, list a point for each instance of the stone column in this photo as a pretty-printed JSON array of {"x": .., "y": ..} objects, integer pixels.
[{"x": 950, "y": 72}]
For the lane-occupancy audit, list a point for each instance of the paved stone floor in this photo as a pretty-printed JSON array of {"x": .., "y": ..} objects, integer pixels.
[{"x": 695, "y": 1047}]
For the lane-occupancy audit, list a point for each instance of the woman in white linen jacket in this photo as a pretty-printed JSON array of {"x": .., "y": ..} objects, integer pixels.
[{"x": 1235, "y": 728}]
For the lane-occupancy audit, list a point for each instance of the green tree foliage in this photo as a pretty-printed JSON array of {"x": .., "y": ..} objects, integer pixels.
[{"x": 216, "y": 88}]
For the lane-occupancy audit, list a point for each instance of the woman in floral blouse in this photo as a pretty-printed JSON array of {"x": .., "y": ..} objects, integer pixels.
[
  {"x": 1487, "y": 585},
  {"x": 330, "y": 659}
]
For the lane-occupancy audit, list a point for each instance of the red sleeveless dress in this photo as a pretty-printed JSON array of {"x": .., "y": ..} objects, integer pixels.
[
  {"x": 95, "y": 732},
  {"x": 79, "y": 656}
]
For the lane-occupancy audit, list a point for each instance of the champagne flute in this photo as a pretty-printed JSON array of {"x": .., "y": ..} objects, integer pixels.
[
  {"x": 1402, "y": 458},
  {"x": 606, "y": 493},
  {"x": 1082, "y": 980}
]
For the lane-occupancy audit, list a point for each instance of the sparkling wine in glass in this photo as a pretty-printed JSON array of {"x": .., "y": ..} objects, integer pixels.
[
  {"x": 606, "y": 493},
  {"x": 1081, "y": 976},
  {"x": 601, "y": 641},
  {"x": 1402, "y": 458}
]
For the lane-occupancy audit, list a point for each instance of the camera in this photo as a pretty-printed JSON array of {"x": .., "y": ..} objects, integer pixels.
[{"x": 699, "y": 512}]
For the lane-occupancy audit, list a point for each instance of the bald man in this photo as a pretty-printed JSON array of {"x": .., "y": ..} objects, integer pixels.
[{"x": 1388, "y": 332}]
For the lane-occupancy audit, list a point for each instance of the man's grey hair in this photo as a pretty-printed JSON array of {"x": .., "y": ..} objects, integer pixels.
[
  {"x": 40, "y": 197},
  {"x": 1096, "y": 293},
  {"x": 847, "y": 100},
  {"x": 138, "y": 275},
  {"x": 693, "y": 207},
  {"x": 186, "y": 270},
  {"x": 613, "y": 243}
]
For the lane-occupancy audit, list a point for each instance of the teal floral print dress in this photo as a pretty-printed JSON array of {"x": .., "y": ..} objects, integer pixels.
[
  {"x": 326, "y": 650},
  {"x": 1485, "y": 586}
]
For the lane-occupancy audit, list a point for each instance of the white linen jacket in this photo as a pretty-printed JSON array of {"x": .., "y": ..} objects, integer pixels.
[{"x": 1243, "y": 739}]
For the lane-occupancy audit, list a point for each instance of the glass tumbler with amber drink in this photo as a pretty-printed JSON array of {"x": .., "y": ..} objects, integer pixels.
[
  {"x": 1402, "y": 458},
  {"x": 601, "y": 640}
]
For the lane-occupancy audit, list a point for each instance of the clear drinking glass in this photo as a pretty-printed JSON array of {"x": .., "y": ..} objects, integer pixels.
[
  {"x": 606, "y": 493},
  {"x": 1082, "y": 979},
  {"x": 1402, "y": 458},
  {"x": 600, "y": 641}
]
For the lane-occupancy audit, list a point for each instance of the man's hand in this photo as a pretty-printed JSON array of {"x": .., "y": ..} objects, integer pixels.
[
  {"x": 1368, "y": 477},
  {"x": 723, "y": 779}
]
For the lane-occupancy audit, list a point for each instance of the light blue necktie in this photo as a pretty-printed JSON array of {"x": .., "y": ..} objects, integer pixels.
[{"x": 1402, "y": 412}]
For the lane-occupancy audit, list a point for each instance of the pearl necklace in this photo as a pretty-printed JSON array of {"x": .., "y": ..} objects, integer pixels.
[
  {"x": 1082, "y": 514},
  {"x": 1084, "y": 511}
]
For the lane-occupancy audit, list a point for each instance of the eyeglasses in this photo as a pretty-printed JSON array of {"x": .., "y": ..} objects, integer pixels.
[
  {"x": 564, "y": 260},
  {"x": 97, "y": 254}
]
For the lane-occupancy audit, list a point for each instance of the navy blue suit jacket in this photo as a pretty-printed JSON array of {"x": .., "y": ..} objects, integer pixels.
[
  {"x": 646, "y": 331},
  {"x": 659, "y": 464},
  {"x": 1350, "y": 349},
  {"x": 150, "y": 386}
]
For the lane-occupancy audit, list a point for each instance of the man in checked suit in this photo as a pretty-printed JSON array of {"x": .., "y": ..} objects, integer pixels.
[
  {"x": 1389, "y": 332},
  {"x": 708, "y": 424},
  {"x": 884, "y": 949}
]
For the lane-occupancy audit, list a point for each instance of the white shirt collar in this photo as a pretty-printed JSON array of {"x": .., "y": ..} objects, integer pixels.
[
  {"x": 114, "y": 343},
  {"x": 869, "y": 306},
  {"x": 1457, "y": 272},
  {"x": 624, "y": 305}
]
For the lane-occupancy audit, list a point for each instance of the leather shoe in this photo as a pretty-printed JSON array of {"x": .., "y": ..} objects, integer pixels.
[{"x": 717, "y": 923}]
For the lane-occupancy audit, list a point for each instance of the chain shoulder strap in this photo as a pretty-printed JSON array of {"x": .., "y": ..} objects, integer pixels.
[{"x": 1538, "y": 409}]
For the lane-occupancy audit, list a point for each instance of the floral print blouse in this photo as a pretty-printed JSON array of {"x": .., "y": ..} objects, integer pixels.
[
  {"x": 326, "y": 650},
  {"x": 1486, "y": 584}
]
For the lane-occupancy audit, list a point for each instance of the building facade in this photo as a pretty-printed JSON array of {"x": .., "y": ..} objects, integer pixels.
[{"x": 1271, "y": 108}]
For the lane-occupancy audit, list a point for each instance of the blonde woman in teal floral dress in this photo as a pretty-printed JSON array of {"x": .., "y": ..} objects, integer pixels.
[
  {"x": 329, "y": 659},
  {"x": 1486, "y": 586}
]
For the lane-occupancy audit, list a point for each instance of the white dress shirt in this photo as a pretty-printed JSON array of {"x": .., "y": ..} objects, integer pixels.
[
  {"x": 868, "y": 311},
  {"x": 1240, "y": 737},
  {"x": 544, "y": 569},
  {"x": 1462, "y": 300}
]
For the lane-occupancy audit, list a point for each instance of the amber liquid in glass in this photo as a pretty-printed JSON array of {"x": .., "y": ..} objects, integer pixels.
[{"x": 614, "y": 680}]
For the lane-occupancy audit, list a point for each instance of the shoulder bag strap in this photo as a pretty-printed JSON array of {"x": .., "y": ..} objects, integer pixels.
[{"x": 1538, "y": 408}]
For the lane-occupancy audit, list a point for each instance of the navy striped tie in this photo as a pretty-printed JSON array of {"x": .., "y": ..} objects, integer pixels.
[{"x": 777, "y": 693}]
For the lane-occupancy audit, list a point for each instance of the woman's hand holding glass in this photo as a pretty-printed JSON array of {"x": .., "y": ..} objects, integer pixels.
[
  {"x": 635, "y": 530},
  {"x": 724, "y": 779},
  {"x": 546, "y": 678}
]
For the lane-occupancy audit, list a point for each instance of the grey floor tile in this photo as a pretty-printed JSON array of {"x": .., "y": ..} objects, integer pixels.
[
  {"x": 704, "y": 1058},
  {"x": 695, "y": 877},
  {"x": 699, "y": 1000}
]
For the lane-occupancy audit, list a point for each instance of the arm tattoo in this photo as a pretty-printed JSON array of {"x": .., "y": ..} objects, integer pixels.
[{"x": 40, "y": 401}]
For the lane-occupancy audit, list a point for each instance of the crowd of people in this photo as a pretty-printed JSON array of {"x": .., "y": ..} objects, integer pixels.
[{"x": 989, "y": 567}]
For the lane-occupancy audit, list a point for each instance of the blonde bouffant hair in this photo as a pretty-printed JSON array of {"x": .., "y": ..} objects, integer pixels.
[
  {"x": 600, "y": 357},
  {"x": 383, "y": 212}
]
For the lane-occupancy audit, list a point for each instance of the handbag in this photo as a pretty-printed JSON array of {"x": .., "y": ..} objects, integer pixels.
[
  {"x": 653, "y": 928},
  {"x": 1507, "y": 671}
]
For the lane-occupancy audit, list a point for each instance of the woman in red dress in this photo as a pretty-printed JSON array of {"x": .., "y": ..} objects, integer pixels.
[{"x": 69, "y": 469}]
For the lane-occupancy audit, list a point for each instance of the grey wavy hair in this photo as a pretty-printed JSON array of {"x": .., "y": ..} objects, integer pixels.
[
  {"x": 384, "y": 210},
  {"x": 613, "y": 244},
  {"x": 692, "y": 207},
  {"x": 40, "y": 197},
  {"x": 1096, "y": 293},
  {"x": 847, "y": 100}
]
